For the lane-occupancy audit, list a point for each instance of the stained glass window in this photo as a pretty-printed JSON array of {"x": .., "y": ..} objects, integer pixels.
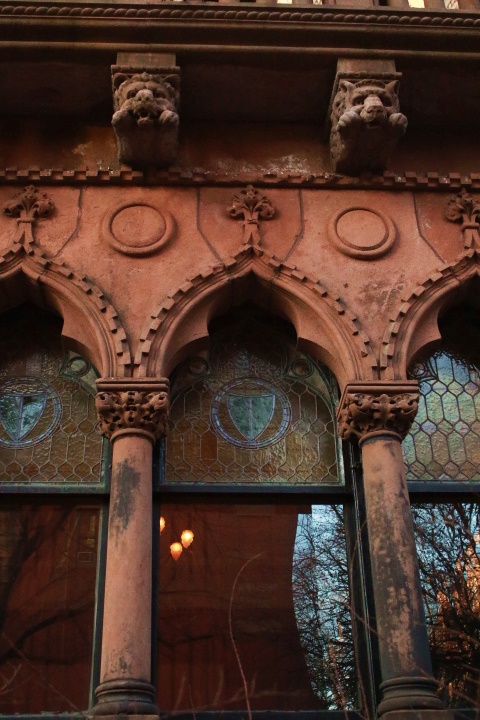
[
  {"x": 47, "y": 405},
  {"x": 252, "y": 410},
  {"x": 444, "y": 443},
  {"x": 448, "y": 547}
]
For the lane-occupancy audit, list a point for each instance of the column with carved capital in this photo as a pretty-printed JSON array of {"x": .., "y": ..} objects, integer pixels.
[
  {"x": 133, "y": 414},
  {"x": 380, "y": 415}
]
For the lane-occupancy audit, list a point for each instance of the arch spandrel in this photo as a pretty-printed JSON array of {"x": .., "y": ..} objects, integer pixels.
[
  {"x": 90, "y": 324},
  {"x": 324, "y": 326},
  {"x": 414, "y": 329}
]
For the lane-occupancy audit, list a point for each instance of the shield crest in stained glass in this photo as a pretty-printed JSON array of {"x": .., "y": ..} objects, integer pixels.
[
  {"x": 24, "y": 402},
  {"x": 19, "y": 413},
  {"x": 251, "y": 414}
]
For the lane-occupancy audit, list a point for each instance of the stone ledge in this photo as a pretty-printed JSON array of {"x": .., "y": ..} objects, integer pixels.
[{"x": 407, "y": 180}]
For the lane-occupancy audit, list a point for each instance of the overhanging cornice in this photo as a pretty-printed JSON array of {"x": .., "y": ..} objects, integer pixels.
[{"x": 207, "y": 26}]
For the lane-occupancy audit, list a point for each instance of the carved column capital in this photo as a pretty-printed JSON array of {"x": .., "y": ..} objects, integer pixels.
[
  {"x": 377, "y": 408},
  {"x": 132, "y": 406}
]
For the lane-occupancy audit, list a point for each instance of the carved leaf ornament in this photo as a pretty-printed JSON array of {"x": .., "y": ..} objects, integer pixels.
[
  {"x": 363, "y": 414},
  {"x": 132, "y": 410},
  {"x": 250, "y": 205},
  {"x": 465, "y": 209},
  {"x": 30, "y": 203}
]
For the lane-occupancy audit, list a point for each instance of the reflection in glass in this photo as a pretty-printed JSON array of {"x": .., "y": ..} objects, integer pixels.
[
  {"x": 48, "y": 567},
  {"x": 255, "y": 612},
  {"x": 252, "y": 410},
  {"x": 448, "y": 547}
]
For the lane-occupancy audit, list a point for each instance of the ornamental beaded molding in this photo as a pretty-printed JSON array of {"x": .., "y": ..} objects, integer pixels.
[{"x": 321, "y": 15}]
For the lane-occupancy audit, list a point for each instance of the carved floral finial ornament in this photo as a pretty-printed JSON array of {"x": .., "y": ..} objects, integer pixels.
[
  {"x": 365, "y": 413},
  {"x": 251, "y": 206},
  {"x": 465, "y": 209},
  {"x": 129, "y": 406},
  {"x": 28, "y": 205}
]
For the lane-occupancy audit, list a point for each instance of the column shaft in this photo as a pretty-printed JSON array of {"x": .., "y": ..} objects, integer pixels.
[
  {"x": 133, "y": 414},
  {"x": 402, "y": 634},
  {"x": 128, "y": 587},
  {"x": 380, "y": 415}
]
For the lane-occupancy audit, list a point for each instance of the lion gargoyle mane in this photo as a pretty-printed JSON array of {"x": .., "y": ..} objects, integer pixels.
[
  {"x": 146, "y": 117},
  {"x": 366, "y": 125}
]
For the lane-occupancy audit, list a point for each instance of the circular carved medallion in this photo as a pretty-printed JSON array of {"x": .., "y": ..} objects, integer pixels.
[
  {"x": 29, "y": 411},
  {"x": 138, "y": 229},
  {"x": 250, "y": 413},
  {"x": 362, "y": 233}
]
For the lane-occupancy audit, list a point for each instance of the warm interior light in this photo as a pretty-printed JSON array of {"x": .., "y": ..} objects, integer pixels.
[
  {"x": 162, "y": 524},
  {"x": 187, "y": 538},
  {"x": 176, "y": 549}
]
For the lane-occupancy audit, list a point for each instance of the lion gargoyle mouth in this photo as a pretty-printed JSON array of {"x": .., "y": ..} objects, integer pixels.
[{"x": 145, "y": 114}]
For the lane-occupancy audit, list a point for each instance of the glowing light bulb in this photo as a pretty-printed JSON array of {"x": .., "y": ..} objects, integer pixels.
[
  {"x": 176, "y": 550},
  {"x": 187, "y": 538},
  {"x": 162, "y": 524}
]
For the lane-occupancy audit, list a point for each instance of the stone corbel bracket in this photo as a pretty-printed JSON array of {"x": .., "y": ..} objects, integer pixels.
[
  {"x": 365, "y": 121},
  {"x": 145, "y": 118}
]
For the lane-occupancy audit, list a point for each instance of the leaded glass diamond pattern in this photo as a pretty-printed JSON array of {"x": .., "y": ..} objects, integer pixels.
[
  {"x": 254, "y": 410},
  {"x": 444, "y": 442},
  {"x": 59, "y": 444}
]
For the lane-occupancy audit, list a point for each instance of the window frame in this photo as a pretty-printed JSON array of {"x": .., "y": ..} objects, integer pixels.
[
  {"x": 348, "y": 496},
  {"x": 86, "y": 495}
]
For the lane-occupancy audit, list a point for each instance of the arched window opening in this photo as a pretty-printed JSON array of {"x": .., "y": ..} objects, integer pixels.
[
  {"x": 255, "y": 605},
  {"x": 253, "y": 410},
  {"x": 444, "y": 443},
  {"x": 442, "y": 454},
  {"x": 49, "y": 539}
]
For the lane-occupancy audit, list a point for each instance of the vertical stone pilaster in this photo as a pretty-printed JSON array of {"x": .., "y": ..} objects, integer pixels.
[
  {"x": 132, "y": 414},
  {"x": 380, "y": 415}
]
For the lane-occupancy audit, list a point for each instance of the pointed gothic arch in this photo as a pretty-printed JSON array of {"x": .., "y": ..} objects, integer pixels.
[
  {"x": 90, "y": 324},
  {"x": 415, "y": 327},
  {"x": 324, "y": 326}
]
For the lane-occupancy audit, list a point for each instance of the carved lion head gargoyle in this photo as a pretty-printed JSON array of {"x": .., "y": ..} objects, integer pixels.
[
  {"x": 366, "y": 125},
  {"x": 146, "y": 117}
]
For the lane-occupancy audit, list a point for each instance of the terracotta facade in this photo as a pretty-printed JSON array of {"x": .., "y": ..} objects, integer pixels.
[{"x": 267, "y": 167}]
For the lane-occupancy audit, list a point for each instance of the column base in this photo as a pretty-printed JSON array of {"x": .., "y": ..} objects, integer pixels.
[
  {"x": 125, "y": 697},
  {"x": 408, "y": 694},
  {"x": 125, "y": 716},
  {"x": 419, "y": 715}
]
